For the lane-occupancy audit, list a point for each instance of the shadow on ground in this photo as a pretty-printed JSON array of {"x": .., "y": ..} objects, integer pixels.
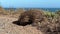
[{"x": 21, "y": 24}]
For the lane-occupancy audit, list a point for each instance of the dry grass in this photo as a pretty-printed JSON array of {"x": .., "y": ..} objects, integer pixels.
[
  {"x": 51, "y": 18},
  {"x": 11, "y": 13}
]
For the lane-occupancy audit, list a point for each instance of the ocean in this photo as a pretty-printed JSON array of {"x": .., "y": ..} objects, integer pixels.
[{"x": 46, "y": 9}]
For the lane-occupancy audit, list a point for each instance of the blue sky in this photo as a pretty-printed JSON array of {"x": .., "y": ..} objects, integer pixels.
[{"x": 30, "y": 3}]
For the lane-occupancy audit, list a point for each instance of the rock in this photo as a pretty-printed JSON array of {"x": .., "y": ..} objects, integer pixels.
[{"x": 30, "y": 16}]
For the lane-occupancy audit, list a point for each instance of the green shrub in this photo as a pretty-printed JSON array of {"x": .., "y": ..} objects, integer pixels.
[{"x": 58, "y": 12}]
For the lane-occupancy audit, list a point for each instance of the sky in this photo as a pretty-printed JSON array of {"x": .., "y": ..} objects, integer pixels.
[{"x": 30, "y": 3}]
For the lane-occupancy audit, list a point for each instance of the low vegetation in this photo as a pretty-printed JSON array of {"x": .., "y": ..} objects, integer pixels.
[
  {"x": 11, "y": 12},
  {"x": 50, "y": 24}
]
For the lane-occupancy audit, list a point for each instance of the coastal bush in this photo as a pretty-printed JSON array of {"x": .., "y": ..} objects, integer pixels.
[{"x": 58, "y": 12}]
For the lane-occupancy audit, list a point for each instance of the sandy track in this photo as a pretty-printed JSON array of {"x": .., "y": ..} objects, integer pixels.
[{"x": 7, "y": 27}]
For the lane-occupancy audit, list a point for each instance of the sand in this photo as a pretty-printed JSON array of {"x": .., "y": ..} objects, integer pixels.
[{"x": 7, "y": 27}]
